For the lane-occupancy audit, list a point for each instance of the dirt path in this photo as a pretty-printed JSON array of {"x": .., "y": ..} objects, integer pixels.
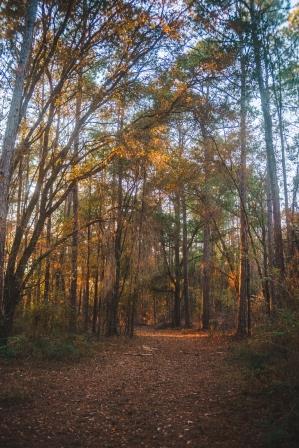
[{"x": 163, "y": 389}]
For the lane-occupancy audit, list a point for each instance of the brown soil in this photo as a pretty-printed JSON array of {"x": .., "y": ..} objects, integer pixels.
[{"x": 161, "y": 389}]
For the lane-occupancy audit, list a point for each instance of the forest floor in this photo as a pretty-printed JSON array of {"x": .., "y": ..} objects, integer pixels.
[{"x": 165, "y": 388}]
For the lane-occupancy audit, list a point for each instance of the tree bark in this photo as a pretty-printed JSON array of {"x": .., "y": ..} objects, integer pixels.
[
  {"x": 95, "y": 314},
  {"x": 11, "y": 298},
  {"x": 177, "y": 267},
  {"x": 75, "y": 235},
  {"x": 12, "y": 126},
  {"x": 278, "y": 256},
  {"x": 185, "y": 265},
  {"x": 112, "y": 306},
  {"x": 48, "y": 262},
  {"x": 206, "y": 258},
  {"x": 243, "y": 327}
]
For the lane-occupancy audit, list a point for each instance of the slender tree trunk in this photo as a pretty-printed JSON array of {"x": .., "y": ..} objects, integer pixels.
[
  {"x": 100, "y": 299},
  {"x": 39, "y": 277},
  {"x": 207, "y": 252},
  {"x": 243, "y": 326},
  {"x": 270, "y": 242},
  {"x": 185, "y": 265},
  {"x": 48, "y": 262},
  {"x": 95, "y": 315},
  {"x": 87, "y": 279},
  {"x": 265, "y": 278},
  {"x": 177, "y": 267},
  {"x": 112, "y": 306},
  {"x": 206, "y": 260},
  {"x": 12, "y": 126},
  {"x": 75, "y": 235},
  {"x": 95, "y": 302},
  {"x": 20, "y": 189},
  {"x": 278, "y": 256},
  {"x": 284, "y": 174},
  {"x": 277, "y": 89},
  {"x": 137, "y": 276}
]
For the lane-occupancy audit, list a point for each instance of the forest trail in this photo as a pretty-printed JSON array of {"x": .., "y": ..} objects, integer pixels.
[{"x": 162, "y": 389}]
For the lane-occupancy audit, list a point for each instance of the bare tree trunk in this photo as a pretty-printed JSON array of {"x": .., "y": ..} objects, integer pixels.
[
  {"x": 207, "y": 252},
  {"x": 270, "y": 242},
  {"x": 112, "y": 306},
  {"x": 20, "y": 187},
  {"x": 75, "y": 235},
  {"x": 137, "y": 276},
  {"x": 277, "y": 89},
  {"x": 12, "y": 126},
  {"x": 284, "y": 175},
  {"x": 95, "y": 314},
  {"x": 177, "y": 266},
  {"x": 265, "y": 278},
  {"x": 87, "y": 278},
  {"x": 278, "y": 258},
  {"x": 185, "y": 265},
  {"x": 206, "y": 261},
  {"x": 48, "y": 261},
  {"x": 243, "y": 327}
]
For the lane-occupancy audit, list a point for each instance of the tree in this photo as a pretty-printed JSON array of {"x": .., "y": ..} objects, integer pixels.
[{"x": 12, "y": 126}]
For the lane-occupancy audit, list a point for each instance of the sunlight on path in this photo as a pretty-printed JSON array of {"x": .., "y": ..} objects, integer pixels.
[{"x": 176, "y": 334}]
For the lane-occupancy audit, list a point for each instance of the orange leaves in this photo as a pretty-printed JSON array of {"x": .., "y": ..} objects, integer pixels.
[
  {"x": 140, "y": 143},
  {"x": 171, "y": 29},
  {"x": 158, "y": 159},
  {"x": 233, "y": 280}
]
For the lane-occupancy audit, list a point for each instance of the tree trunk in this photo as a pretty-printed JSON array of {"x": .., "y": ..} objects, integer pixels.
[
  {"x": 112, "y": 305},
  {"x": 95, "y": 314},
  {"x": 75, "y": 235},
  {"x": 185, "y": 265},
  {"x": 278, "y": 256},
  {"x": 11, "y": 298},
  {"x": 86, "y": 293},
  {"x": 270, "y": 242},
  {"x": 12, "y": 126},
  {"x": 177, "y": 267},
  {"x": 265, "y": 277},
  {"x": 277, "y": 89},
  {"x": 137, "y": 275},
  {"x": 206, "y": 259},
  {"x": 48, "y": 262},
  {"x": 244, "y": 294}
]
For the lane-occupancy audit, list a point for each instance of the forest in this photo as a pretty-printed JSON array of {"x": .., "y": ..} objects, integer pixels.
[{"x": 149, "y": 223}]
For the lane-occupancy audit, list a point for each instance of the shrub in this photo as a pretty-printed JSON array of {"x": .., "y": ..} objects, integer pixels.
[
  {"x": 271, "y": 362},
  {"x": 46, "y": 348}
]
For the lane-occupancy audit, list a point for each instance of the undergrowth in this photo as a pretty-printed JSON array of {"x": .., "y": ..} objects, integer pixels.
[
  {"x": 270, "y": 361},
  {"x": 57, "y": 348},
  {"x": 41, "y": 333}
]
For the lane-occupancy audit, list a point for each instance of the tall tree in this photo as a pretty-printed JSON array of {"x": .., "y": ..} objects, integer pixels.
[
  {"x": 12, "y": 126},
  {"x": 256, "y": 39},
  {"x": 243, "y": 327}
]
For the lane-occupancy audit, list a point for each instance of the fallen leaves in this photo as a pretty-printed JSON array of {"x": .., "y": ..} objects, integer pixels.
[{"x": 177, "y": 398}]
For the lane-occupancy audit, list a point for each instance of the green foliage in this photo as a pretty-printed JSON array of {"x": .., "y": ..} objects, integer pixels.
[
  {"x": 254, "y": 361},
  {"x": 45, "y": 319},
  {"x": 42, "y": 334},
  {"x": 270, "y": 361},
  {"x": 46, "y": 348}
]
